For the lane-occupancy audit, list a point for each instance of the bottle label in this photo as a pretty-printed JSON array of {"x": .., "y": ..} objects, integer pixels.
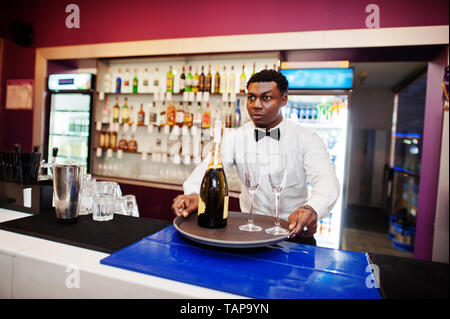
[
  {"x": 201, "y": 206},
  {"x": 195, "y": 82},
  {"x": 145, "y": 83},
  {"x": 152, "y": 118},
  {"x": 116, "y": 113},
  {"x": 179, "y": 117},
  {"x": 206, "y": 120},
  {"x": 225, "y": 207},
  {"x": 182, "y": 84},
  {"x": 141, "y": 117}
]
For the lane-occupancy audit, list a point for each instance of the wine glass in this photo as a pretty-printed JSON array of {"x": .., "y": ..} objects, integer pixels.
[
  {"x": 277, "y": 179},
  {"x": 251, "y": 178}
]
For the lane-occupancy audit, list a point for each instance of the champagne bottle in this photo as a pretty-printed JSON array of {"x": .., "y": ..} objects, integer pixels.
[{"x": 213, "y": 197}]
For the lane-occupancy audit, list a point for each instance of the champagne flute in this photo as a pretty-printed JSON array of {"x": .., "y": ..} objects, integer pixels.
[
  {"x": 251, "y": 178},
  {"x": 277, "y": 179}
]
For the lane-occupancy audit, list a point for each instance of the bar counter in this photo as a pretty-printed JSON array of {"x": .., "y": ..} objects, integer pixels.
[{"x": 165, "y": 266}]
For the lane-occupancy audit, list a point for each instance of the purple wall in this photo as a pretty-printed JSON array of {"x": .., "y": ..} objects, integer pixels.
[
  {"x": 429, "y": 175},
  {"x": 116, "y": 20}
]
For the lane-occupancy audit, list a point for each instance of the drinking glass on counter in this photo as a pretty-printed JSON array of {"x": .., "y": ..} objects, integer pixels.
[
  {"x": 106, "y": 195},
  {"x": 126, "y": 205},
  {"x": 87, "y": 194}
]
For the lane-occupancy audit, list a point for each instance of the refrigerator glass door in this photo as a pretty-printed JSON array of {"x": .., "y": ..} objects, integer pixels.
[
  {"x": 326, "y": 115},
  {"x": 69, "y": 127}
]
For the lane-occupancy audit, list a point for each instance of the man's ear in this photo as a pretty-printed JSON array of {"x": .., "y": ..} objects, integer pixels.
[{"x": 284, "y": 99}]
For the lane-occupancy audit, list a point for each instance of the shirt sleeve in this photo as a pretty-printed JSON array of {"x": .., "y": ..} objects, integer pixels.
[
  {"x": 322, "y": 176},
  {"x": 193, "y": 182}
]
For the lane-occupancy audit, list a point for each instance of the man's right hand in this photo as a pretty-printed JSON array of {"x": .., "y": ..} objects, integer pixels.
[{"x": 185, "y": 204}]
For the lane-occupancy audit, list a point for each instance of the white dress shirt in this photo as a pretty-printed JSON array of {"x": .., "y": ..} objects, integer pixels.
[{"x": 307, "y": 159}]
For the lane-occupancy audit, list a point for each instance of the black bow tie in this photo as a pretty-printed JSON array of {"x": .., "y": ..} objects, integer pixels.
[{"x": 275, "y": 134}]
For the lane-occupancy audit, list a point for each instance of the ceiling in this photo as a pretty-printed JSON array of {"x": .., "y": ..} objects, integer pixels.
[{"x": 385, "y": 74}]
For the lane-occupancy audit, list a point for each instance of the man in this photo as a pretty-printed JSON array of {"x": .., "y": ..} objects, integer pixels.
[{"x": 307, "y": 159}]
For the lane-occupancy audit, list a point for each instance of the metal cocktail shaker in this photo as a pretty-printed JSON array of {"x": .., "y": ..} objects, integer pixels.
[{"x": 67, "y": 182}]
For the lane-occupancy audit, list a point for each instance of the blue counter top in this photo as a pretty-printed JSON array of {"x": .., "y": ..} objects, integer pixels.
[{"x": 283, "y": 271}]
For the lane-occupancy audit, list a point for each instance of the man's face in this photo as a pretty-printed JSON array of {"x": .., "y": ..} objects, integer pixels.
[{"x": 264, "y": 102}]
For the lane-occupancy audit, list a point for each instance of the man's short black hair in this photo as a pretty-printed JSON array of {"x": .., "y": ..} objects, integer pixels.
[{"x": 269, "y": 76}]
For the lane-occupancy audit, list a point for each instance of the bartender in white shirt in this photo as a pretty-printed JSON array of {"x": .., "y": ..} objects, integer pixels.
[{"x": 307, "y": 159}]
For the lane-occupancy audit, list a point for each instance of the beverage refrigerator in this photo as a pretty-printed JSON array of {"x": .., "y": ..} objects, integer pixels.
[
  {"x": 70, "y": 116},
  {"x": 319, "y": 100}
]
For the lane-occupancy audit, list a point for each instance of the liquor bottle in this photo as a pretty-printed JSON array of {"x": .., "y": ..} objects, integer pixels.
[
  {"x": 123, "y": 144},
  {"x": 179, "y": 115},
  {"x": 135, "y": 82},
  {"x": 132, "y": 144},
  {"x": 101, "y": 138},
  {"x": 126, "y": 82},
  {"x": 228, "y": 116},
  {"x": 182, "y": 81},
  {"x": 156, "y": 81},
  {"x": 171, "y": 114},
  {"x": 243, "y": 81},
  {"x": 217, "y": 81},
  {"x": 189, "y": 80},
  {"x": 113, "y": 141},
  {"x": 116, "y": 111},
  {"x": 208, "y": 80},
  {"x": 232, "y": 81},
  {"x": 153, "y": 115},
  {"x": 195, "y": 81},
  {"x": 213, "y": 196},
  {"x": 106, "y": 112},
  {"x": 119, "y": 81},
  {"x": 170, "y": 80},
  {"x": 223, "y": 81},
  {"x": 197, "y": 118},
  {"x": 141, "y": 116},
  {"x": 163, "y": 115},
  {"x": 254, "y": 68},
  {"x": 131, "y": 116},
  {"x": 106, "y": 141},
  {"x": 125, "y": 112},
  {"x": 206, "y": 120},
  {"x": 107, "y": 81},
  {"x": 145, "y": 83},
  {"x": 201, "y": 81},
  {"x": 237, "y": 115},
  {"x": 188, "y": 115}
]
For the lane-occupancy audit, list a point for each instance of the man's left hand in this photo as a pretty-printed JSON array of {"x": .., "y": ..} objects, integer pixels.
[{"x": 302, "y": 218}]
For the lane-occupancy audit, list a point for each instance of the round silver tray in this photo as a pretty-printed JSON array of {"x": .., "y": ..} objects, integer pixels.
[{"x": 231, "y": 236}]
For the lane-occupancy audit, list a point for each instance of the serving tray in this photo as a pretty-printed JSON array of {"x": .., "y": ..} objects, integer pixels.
[{"x": 231, "y": 236}]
